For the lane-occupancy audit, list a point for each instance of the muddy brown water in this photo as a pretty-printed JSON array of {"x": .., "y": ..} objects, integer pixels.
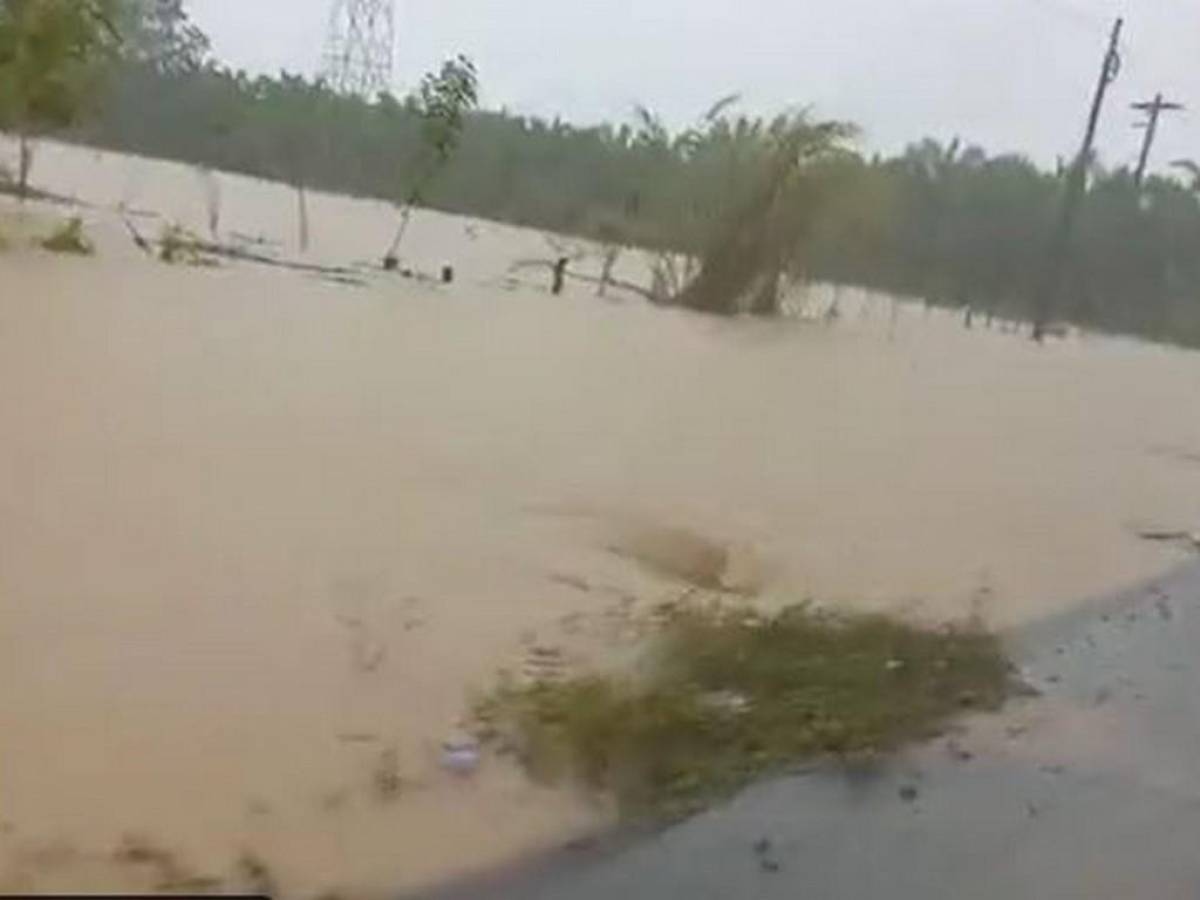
[{"x": 263, "y": 536}]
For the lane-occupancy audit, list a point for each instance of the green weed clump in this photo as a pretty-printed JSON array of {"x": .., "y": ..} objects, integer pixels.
[
  {"x": 178, "y": 246},
  {"x": 69, "y": 238},
  {"x": 730, "y": 695}
]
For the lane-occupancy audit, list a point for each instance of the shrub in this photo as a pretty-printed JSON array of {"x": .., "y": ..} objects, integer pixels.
[
  {"x": 69, "y": 238},
  {"x": 731, "y": 694}
]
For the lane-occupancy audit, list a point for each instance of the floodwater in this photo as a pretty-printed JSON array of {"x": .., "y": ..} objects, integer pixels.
[
  {"x": 1087, "y": 790},
  {"x": 264, "y": 535}
]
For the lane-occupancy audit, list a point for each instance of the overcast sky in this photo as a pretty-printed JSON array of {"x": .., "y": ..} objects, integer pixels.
[{"x": 1009, "y": 74}]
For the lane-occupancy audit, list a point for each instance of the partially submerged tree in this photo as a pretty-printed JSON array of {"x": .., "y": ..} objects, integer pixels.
[
  {"x": 442, "y": 103},
  {"x": 290, "y": 116},
  {"x": 612, "y": 241},
  {"x": 50, "y": 53},
  {"x": 762, "y": 239},
  {"x": 734, "y": 201},
  {"x": 950, "y": 226},
  {"x": 211, "y": 189}
]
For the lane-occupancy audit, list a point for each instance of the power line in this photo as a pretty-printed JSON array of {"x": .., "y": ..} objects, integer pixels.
[
  {"x": 1153, "y": 109},
  {"x": 1076, "y": 187},
  {"x": 1068, "y": 10}
]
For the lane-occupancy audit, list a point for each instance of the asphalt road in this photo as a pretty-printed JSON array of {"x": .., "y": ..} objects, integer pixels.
[{"x": 1089, "y": 790}]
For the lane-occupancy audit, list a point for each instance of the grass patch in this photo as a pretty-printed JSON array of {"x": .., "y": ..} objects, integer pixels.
[
  {"x": 177, "y": 245},
  {"x": 69, "y": 238},
  {"x": 729, "y": 695}
]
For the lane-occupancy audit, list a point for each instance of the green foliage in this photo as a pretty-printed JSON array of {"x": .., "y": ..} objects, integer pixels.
[
  {"x": 69, "y": 238},
  {"x": 48, "y": 51},
  {"x": 179, "y": 246},
  {"x": 49, "y": 55},
  {"x": 972, "y": 230},
  {"x": 948, "y": 223},
  {"x": 442, "y": 102},
  {"x": 159, "y": 35},
  {"x": 732, "y": 695},
  {"x": 763, "y": 230}
]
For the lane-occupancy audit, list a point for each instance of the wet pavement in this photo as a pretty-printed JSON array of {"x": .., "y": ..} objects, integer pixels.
[{"x": 1089, "y": 790}]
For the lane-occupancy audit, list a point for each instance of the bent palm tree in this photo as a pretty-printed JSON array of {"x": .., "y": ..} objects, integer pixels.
[{"x": 1193, "y": 170}]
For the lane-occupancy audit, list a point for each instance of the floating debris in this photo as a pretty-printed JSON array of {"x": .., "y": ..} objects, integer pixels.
[
  {"x": 386, "y": 777},
  {"x": 461, "y": 756},
  {"x": 358, "y": 737},
  {"x": 571, "y": 581},
  {"x": 1190, "y": 538},
  {"x": 254, "y": 872},
  {"x": 544, "y": 664},
  {"x": 958, "y": 751}
]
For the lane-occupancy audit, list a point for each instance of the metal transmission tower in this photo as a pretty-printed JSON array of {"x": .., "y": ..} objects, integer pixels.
[{"x": 360, "y": 47}]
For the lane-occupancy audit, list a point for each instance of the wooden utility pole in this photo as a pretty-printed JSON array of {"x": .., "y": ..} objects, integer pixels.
[
  {"x": 1153, "y": 108},
  {"x": 1076, "y": 187}
]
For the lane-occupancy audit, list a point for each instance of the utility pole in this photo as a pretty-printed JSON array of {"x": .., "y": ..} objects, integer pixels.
[
  {"x": 1076, "y": 187},
  {"x": 1154, "y": 108}
]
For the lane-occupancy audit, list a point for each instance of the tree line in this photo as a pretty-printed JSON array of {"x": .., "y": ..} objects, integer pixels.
[{"x": 734, "y": 205}]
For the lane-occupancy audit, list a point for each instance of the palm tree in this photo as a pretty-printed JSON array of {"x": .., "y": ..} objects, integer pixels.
[
  {"x": 1193, "y": 170},
  {"x": 760, "y": 236}
]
